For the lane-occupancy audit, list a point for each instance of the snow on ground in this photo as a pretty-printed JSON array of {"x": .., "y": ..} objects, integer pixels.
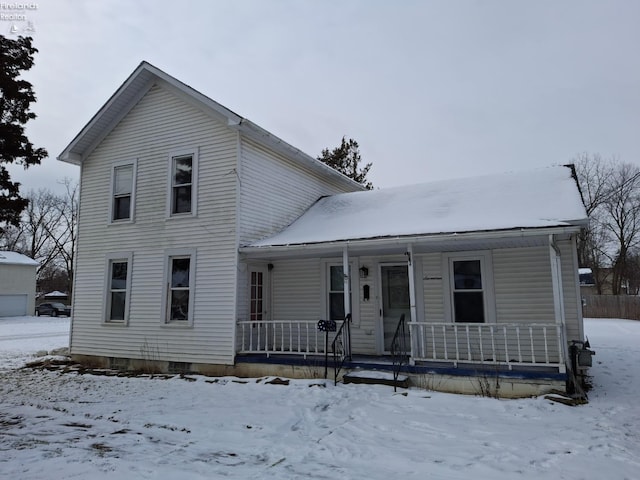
[{"x": 66, "y": 426}]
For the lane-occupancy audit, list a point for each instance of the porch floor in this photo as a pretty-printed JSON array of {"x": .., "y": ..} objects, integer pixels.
[{"x": 385, "y": 364}]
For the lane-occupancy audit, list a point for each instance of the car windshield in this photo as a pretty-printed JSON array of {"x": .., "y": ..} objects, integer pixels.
[{"x": 58, "y": 305}]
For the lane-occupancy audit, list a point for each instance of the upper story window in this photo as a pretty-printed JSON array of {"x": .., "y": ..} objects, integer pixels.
[
  {"x": 183, "y": 174},
  {"x": 123, "y": 191}
]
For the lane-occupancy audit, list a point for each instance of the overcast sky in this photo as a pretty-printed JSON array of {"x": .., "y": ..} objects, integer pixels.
[{"x": 430, "y": 89}]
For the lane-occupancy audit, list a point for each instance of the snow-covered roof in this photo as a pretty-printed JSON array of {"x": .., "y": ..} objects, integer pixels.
[
  {"x": 584, "y": 271},
  {"x": 542, "y": 198},
  {"x": 15, "y": 258}
]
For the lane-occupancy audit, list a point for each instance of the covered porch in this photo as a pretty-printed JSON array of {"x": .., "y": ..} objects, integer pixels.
[{"x": 421, "y": 279}]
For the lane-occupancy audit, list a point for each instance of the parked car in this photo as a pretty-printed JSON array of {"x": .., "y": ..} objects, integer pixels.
[{"x": 54, "y": 309}]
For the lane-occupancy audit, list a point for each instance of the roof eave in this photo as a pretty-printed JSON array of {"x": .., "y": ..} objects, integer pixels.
[
  {"x": 417, "y": 238},
  {"x": 115, "y": 109}
]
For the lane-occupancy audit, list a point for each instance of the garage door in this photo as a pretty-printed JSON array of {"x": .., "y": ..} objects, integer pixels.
[{"x": 13, "y": 305}]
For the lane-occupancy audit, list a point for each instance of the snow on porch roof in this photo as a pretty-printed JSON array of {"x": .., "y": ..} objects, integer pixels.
[{"x": 542, "y": 198}]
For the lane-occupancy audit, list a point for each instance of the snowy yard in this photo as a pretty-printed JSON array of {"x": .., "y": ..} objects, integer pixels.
[{"x": 65, "y": 426}]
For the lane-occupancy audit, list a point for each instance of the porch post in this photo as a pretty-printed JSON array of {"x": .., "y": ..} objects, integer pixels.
[
  {"x": 412, "y": 297},
  {"x": 412, "y": 290},
  {"x": 346, "y": 292},
  {"x": 558, "y": 298}
]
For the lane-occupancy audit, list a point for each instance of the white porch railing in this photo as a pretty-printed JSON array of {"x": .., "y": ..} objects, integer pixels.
[
  {"x": 282, "y": 337},
  {"x": 485, "y": 343}
]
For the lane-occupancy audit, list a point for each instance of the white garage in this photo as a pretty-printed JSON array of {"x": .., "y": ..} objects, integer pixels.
[{"x": 17, "y": 284}]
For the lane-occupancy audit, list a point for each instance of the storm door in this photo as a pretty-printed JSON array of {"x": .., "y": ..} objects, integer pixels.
[{"x": 394, "y": 282}]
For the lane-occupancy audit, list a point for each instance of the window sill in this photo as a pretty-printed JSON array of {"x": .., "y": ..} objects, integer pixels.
[
  {"x": 121, "y": 222},
  {"x": 177, "y": 216},
  {"x": 177, "y": 324},
  {"x": 115, "y": 323}
]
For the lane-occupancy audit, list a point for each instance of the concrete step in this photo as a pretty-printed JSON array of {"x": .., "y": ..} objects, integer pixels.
[{"x": 376, "y": 377}]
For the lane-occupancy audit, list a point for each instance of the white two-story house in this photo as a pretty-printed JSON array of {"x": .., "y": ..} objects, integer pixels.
[{"x": 207, "y": 244}]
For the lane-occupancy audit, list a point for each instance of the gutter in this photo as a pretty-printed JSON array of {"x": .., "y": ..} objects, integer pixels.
[{"x": 415, "y": 239}]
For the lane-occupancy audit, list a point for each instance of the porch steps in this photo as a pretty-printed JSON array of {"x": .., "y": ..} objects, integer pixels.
[{"x": 375, "y": 377}]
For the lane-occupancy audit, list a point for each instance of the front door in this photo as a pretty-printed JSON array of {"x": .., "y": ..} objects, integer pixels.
[{"x": 394, "y": 281}]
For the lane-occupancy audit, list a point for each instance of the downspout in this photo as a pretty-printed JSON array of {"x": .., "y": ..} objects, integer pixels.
[
  {"x": 237, "y": 262},
  {"x": 558, "y": 299},
  {"x": 412, "y": 297}
]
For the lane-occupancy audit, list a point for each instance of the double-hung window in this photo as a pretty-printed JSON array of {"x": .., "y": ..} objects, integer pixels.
[
  {"x": 335, "y": 292},
  {"x": 118, "y": 287},
  {"x": 180, "y": 288},
  {"x": 471, "y": 287},
  {"x": 123, "y": 191},
  {"x": 183, "y": 168}
]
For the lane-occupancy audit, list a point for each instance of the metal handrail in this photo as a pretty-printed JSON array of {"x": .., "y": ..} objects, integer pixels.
[
  {"x": 341, "y": 348},
  {"x": 399, "y": 352}
]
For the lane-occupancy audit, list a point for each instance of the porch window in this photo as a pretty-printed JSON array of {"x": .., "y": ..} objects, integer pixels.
[
  {"x": 468, "y": 296},
  {"x": 336, "y": 292},
  {"x": 180, "y": 288},
  {"x": 470, "y": 286}
]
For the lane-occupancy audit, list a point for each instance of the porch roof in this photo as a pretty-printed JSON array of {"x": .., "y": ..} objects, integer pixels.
[{"x": 537, "y": 202}]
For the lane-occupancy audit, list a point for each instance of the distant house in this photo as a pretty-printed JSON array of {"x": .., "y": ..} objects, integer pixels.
[
  {"x": 208, "y": 244},
  {"x": 56, "y": 296},
  {"x": 17, "y": 284}
]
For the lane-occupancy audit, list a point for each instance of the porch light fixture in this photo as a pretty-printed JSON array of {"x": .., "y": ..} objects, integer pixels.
[{"x": 364, "y": 272}]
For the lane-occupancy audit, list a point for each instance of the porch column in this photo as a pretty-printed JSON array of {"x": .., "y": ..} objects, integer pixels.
[
  {"x": 412, "y": 289},
  {"x": 412, "y": 299},
  {"x": 346, "y": 292},
  {"x": 558, "y": 297}
]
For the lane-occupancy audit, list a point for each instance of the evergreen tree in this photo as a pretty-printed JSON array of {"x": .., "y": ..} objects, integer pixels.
[
  {"x": 346, "y": 159},
  {"x": 16, "y": 96}
]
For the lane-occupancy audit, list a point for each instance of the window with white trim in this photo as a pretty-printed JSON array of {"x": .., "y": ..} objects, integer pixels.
[
  {"x": 183, "y": 168},
  {"x": 470, "y": 285},
  {"x": 335, "y": 292},
  {"x": 118, "y": 288},
  {"x": 123, "y": 191},
  {"x": 180, "y": 288}
]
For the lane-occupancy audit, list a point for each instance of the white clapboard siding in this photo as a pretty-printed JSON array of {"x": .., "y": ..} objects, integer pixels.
[
  {"x": 159, "y": 124},
  {"x": 364, "y": 328},
  {"x": 432, "y": 287},
  {"x": 522, "y": 284},
  {"x": 296, "y": 290},
  {"x": 275, "y": 191},
  {"x": 572, "y": 302}
]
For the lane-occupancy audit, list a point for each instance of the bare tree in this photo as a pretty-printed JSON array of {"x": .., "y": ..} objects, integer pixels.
[
  {"x": 64, "y": 235},
  {"x": 622, "y": 207},
  {"x": 593, "y": 175},
  {"x": 40, "y": 227}
]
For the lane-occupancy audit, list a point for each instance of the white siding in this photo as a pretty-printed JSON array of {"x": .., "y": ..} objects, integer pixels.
[
  {"x": 522, "y": 282},
  {"x": 363, "y": 333},
  {"x": 297, "y": 290},
  {"x": 159, "y": 124},
  {"x": 433, "y": 289},
  {"x": 572, "y": 302},
  {"x": 275, "y": 191}
]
